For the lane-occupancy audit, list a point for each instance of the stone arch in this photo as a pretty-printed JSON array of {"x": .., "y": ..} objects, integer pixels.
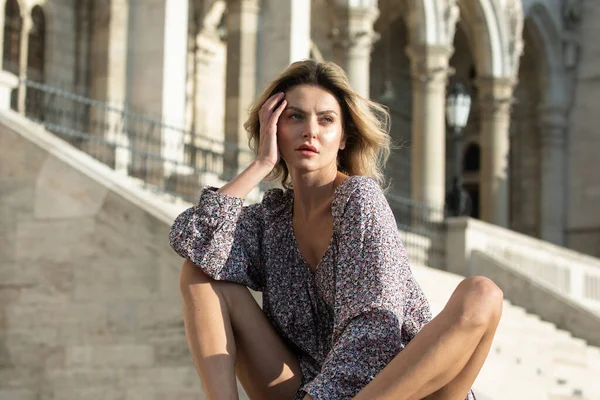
[
  {"x": 547, "y": 40},
  {"x": 37, "y": 44},
  {"x": 482, "y": 25},
  {"x": 431, "y": 23},
  {"x": 36, "y": 62},
  {"x": 472, "y": 158},
  {"x": 13, "y": 24}
]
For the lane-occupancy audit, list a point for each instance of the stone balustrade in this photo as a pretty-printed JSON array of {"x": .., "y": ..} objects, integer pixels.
[{"x": 573, "y": 275}]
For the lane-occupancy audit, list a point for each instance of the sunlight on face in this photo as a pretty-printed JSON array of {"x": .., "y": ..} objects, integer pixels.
[{"x": 309, "y": 130}]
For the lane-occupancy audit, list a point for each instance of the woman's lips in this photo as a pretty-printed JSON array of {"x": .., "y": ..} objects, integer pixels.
[{"x": 307, "y": 152}]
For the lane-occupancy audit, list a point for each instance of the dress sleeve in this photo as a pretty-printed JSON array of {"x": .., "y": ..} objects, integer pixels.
[
  {"x": 379, "y": 306},
  {"x": 222, "y": 237}
]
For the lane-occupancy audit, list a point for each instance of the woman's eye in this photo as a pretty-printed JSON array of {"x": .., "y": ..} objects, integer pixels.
[
  {"x": 295, "y": 116},
  {"x": 327, "y": 120}
]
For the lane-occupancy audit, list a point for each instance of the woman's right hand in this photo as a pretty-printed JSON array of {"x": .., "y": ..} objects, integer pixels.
[{"x": 268, "y": 116}]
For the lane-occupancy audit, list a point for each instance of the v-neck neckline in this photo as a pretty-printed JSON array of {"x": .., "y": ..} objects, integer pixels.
[{"x": 333, "y": 233}]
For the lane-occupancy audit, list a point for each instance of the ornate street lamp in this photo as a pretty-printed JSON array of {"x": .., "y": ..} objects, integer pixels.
[{"x": 458, "y": 105}]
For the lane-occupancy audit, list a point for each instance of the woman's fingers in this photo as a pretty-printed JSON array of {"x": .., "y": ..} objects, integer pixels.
[
  {"x": 270, "y": 104},
  {"x": 277, "y": 113}
]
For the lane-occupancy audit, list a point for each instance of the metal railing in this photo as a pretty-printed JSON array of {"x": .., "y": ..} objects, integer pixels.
[
  {"x": 422, "y": 230},
  {"x": 169, "y": 159},
  {"x": 162, "y": 156}
]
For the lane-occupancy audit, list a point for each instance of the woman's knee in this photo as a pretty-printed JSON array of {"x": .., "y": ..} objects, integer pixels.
[
  {"x": 481, "y": 301},
  {"x": 193, "y": 282}
]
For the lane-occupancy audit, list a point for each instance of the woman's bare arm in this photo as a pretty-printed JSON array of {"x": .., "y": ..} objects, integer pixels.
[
  {"x": 268, "y": 153},
  {"x": 247, "y": 180}
]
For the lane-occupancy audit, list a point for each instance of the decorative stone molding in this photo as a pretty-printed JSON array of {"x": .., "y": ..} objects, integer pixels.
[
  {"x": 554, "y": 115},
  {"x": 553, "y": 120},
  {"x": 362, "y": 41},
  {"x": 572, "y": 11},
  {"x": 211, "y": 28},
  {"x": 553, "y": 136},
  {"x": 448, "y": 15},
  {"x": 514, "y": 35},
  {"x": 495, "y": 95},
  {"x": 443, "y": 14},
  {"x": 429, "y": 64},
  {"x": 354, "y": 31}
]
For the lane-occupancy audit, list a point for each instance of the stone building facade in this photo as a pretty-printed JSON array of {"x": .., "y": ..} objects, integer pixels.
[{"x": 531, "y": 143}]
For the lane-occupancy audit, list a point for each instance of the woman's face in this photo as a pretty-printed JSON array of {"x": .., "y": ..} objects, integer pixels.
[{"x": 309, "y": 131}]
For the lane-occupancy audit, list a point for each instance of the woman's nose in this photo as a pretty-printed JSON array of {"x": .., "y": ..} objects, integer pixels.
[{"x": 311, "y": 129}]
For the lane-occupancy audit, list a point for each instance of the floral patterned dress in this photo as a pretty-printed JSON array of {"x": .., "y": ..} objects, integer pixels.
[{"x": 346, "y": 320}]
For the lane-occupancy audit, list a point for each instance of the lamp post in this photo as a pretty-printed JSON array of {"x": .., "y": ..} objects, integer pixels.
[{"x": 458, "y": 105}]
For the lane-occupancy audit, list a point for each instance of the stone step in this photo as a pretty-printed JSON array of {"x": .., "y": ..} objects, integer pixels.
[
  {"x": 530, "y": 358},
  {"x": 524, "y": 381}
]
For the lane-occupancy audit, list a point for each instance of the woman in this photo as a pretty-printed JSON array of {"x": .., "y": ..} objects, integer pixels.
[{"x": 342, "y": 314}]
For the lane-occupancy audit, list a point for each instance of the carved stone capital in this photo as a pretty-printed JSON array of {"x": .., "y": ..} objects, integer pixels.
[
  {"x": 495, "y": 95},
  {"x": 356, "y": 41},
  {"x": 429, "y": 64},
  {"x": 553, "y": 115},
  {"x": 553, "y": 136},
  {"x": 553, "y": 123},
  {"x": 354, "y": 31}
]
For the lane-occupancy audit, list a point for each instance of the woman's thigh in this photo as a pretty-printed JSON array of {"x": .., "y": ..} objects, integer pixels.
[{"x": 266, "y": 368}]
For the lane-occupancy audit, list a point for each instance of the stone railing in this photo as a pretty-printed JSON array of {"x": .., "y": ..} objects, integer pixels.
[
  {"x": 566, "y": 272},
  {"x": 524, "y": 291}
]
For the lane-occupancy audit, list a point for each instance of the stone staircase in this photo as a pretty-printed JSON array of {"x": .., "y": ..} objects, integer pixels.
[
  {"x": 103, "y": 277},
  {"x": 530, "y": 358}
]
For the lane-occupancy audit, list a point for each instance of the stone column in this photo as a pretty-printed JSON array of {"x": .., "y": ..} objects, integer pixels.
[
  {"x": 8, "y": 82},
  {"x": 23, "y": 60},
  {"x": 157, "y": 53},
  {"x": 429, "y": 70},
  {"x": 495, "y": 97},
  {"x": 2, "y": 22},
  {"x": 353, "y": 40},
  {"x": 108, "y": 84},
  {"x": 553, "y": 130},
  {"x": 284, "y": 37},
  {"x": 240, "y": 91}
]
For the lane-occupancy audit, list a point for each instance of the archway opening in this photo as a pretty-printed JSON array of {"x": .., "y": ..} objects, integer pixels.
[
  {"x": 524, "y": 157},
  {"x": 465, "y": 72},
  {"x": 472, "y": 158},
  {"x": 13, "y": 24},
  {"x": 471, "y": 165},
  {"x": 36, "y": 56}
]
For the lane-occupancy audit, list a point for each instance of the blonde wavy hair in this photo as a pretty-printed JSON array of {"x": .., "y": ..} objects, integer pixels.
[{"x": 365, "y": 124}]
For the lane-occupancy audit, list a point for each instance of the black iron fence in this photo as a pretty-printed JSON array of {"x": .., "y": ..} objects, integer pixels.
[
  {"x": 174, "y": 160},
  {"x": 422, "y": 229},
  {"x": 161, "y": 156}
]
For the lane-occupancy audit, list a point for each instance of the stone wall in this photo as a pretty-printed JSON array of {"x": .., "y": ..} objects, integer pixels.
[
  {"x": 583, "y": 225},
  {"x": 89, "y": 299},
  {"x": 61, "y": 38}
]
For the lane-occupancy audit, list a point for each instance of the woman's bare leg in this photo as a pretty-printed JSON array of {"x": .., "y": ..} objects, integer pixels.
[
  {"x": 228, "y": 333},
  {"x": 444, "y": 358}
]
